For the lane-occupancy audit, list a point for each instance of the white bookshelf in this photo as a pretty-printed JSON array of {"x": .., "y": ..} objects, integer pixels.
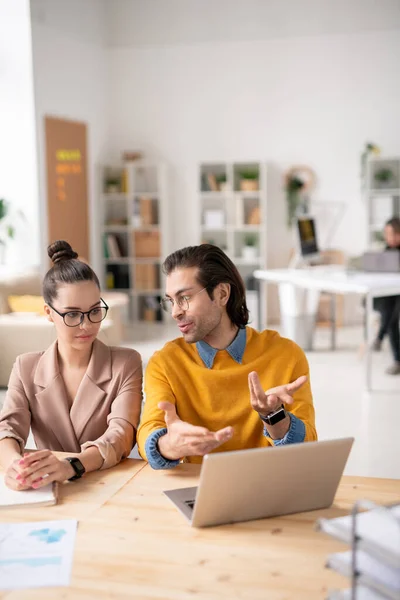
[
  {"x": 135, "y": 234},
  {"x": 230, "y": 216},
  {"x": 382, "y": 197}
]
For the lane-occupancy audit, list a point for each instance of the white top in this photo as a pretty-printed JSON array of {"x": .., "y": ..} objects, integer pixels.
[{"x": 335, "y": 279}]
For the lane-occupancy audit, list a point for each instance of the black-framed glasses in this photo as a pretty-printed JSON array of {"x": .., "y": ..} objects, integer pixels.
[
  {"x": 73, "y": 318},
  {"x": 182, "y": 302}
]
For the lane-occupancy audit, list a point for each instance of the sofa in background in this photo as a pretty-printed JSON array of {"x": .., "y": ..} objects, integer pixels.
[{"x": 29, "y": 332}]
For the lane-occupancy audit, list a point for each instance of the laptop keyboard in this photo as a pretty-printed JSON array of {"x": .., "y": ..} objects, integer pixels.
[{"x": 190, "y": 503}]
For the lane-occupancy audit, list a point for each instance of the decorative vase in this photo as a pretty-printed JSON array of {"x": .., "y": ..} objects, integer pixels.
[
  {"x": 249, "y": 185},
  {"x": 249, "y": 252}
]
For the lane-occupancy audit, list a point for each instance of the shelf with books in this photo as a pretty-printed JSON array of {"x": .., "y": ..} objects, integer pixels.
[
  {"x": 135, "y": 233},
  {"x": 122, "y": 261},
  {"x": 382, "y": 193},
  {"x": 232, "y": 208}
]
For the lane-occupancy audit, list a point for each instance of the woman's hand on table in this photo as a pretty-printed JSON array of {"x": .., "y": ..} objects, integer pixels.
[{"x": 37, "y": 469}]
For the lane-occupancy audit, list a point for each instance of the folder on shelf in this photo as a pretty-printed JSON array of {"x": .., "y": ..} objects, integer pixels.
[
  {"x": 146, "y": 209},
  {"x": 146, "y": 276},
  {"x": 373, "y": 563},
  {"x": 147, "y": 244}
]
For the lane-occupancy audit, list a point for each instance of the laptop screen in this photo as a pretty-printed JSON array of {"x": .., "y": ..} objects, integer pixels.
[{"x": 307, "y": 236}]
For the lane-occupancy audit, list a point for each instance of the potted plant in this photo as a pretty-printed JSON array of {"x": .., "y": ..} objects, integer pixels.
[
  {"x": 384, "y": 177},
  {"x": 298, "y": 182},
  {"x": 7, "y": 229},
  {"x": 112, "y": 184},
  {"x": 250, "y": 250},
  {"x": 249, "y": 180},
  {"x": 223, "y": 185}
]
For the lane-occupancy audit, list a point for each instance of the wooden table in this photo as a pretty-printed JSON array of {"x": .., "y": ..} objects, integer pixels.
[{"x": 133, "y": 543}]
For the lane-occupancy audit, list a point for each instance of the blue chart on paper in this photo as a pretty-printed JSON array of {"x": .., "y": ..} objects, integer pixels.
[
  {"x": 49, "y": 536},
  {"x": 41, "y": 561},
  {"x": 37, "y": 554}
]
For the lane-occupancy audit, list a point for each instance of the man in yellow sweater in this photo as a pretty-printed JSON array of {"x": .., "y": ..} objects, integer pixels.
[{"x": 223, "y": 385}]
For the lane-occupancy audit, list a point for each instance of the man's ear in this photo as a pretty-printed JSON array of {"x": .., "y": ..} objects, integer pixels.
[
  {"x": 47, "y": 312},
  {"x": 224, "y": 291}
]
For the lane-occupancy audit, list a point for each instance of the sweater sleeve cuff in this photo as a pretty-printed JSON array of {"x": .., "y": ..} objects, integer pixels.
[
  {"x": 295, "y": 434},
  {"x": 154, "y": 458}
]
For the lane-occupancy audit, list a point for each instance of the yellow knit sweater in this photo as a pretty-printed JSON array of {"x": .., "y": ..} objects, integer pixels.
[{"x": 218, "y": 397}]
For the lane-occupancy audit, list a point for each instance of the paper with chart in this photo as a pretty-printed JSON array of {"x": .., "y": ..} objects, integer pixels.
[{"x": 36, "y": 554}]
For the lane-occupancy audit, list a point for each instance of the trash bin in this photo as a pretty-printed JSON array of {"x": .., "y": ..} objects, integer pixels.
[
  {"x": 298, "y": 308},
  {"x": 253, "y": 301}
]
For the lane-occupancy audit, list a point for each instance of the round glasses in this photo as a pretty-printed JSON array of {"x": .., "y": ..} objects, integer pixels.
[
  {"x": 73, "y": 318},
  {"x": 182, "y": 302}
]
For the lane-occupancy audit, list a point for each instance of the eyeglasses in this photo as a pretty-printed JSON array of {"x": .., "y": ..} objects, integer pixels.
[
  {"x": 182, "y": 302},
  {"x": 73, "y": 318}
]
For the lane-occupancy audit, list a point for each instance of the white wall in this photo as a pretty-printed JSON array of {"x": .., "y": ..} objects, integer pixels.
[
  {"x": 18, "y": 165},
  {"x": 312, "y": 101},
  {"x": 165, "y": 22},
  {"x": 71, "y": 82}
]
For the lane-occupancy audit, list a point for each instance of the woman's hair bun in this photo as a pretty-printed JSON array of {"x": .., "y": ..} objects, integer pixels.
[{"x": 61, "y": 250}]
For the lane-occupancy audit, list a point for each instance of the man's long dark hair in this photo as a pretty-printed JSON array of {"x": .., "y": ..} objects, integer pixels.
[{"x": 214, "y": 267}]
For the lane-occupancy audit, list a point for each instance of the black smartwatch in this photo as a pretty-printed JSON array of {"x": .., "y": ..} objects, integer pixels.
[
  {"x": 274, "y": 417},
  {"x": 77, "y": 467}
]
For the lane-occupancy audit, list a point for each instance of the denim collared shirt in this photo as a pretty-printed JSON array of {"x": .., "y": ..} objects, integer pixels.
[{"x": 295, "y": 434}]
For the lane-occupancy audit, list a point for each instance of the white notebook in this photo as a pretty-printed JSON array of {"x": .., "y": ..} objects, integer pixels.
[{"x": 45, "y": 496}]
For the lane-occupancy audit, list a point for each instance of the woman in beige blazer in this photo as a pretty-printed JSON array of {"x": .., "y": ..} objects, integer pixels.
[{"x": 79, "y": 396}]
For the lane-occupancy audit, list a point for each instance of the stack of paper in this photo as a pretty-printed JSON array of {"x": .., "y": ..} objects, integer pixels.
[{"x": 373, "y": 562}]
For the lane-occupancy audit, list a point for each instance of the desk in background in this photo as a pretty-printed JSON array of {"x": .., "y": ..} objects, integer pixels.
[
  {"x": 334, "y": 280},
  {"x": 133, "y": 543}
]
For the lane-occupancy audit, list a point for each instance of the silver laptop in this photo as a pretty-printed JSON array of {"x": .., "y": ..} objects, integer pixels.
[{"x": 264, "y": 482}]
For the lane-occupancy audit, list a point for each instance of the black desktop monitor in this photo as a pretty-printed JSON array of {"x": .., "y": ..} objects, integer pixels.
[{"x": 307, "y": 236}]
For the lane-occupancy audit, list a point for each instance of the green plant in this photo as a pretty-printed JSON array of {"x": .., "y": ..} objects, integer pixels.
[
  {"x": 369, "y": 149},
  {"x": 220, "y": 178},
  {"x": 113, "y": 181},
  {"x": 7, "y": 229},
  {"x": 294, "y": 186},
  {"x": 384, "y": 175},
  {"x": 249, "y": 174},
  {"x": 378, "y": 236},
  {"x": 250, "y": 239}
]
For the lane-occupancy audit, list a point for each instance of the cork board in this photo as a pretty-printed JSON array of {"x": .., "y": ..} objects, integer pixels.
[{"x": 67, "y": 189}]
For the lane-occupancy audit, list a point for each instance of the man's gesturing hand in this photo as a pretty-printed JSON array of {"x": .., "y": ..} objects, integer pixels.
[
  {"x": 267, "y": 402},
  {"x": 184, "y": 439}
]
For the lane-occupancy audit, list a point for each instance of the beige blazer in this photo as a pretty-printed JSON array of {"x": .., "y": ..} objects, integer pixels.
[{"x": 105, "y": 412}]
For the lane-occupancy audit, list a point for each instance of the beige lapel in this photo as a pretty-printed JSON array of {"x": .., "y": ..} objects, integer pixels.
[
  {"x": 53, "y": 399},
  {"x": 90, "y": 395}
]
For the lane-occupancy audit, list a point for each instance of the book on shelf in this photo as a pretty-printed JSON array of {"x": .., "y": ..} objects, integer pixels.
[
  {"x": 212, "y": 182},
  {"x": 114, "y": 250}
]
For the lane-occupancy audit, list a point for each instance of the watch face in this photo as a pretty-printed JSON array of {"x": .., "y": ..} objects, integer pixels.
[
  {"x": 77, "y": 466},
  {"x": 277, "y": 416}
]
